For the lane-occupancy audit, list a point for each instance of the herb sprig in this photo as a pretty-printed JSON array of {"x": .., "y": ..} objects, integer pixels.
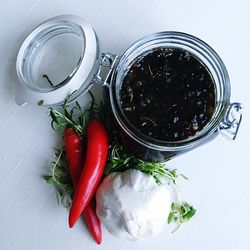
[
  {"x": 180, "y": 213},
  {"x": 73, "y": 116},
  {"x": 60, "y": 178},
  {"x": 120, "y": 160}
]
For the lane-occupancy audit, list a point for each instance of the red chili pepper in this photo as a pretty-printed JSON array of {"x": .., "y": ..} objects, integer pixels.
[
  {"x": 75, "y": 161},
  {"x": 74, "y": 155},
  {"x": 96, "y": 157}
]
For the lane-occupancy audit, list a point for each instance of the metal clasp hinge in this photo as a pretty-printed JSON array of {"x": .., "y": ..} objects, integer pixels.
[
  {"x": 107, "y": 64},
  {"x": 232, "y": 120}
]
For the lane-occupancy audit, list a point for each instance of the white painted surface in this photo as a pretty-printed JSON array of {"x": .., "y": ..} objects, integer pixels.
[{"x": 219, "y": 172}]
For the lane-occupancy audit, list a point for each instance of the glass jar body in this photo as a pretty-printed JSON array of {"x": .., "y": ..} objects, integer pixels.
[{"x": 151, "y": 149}]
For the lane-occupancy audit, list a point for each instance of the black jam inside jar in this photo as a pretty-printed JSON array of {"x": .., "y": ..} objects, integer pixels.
[{"x": 168, "y": 94}]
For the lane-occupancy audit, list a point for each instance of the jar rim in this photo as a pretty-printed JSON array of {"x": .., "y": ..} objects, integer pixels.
[
  {"x": 171, "y": 39},
  {"x": 80, "y": 69}
]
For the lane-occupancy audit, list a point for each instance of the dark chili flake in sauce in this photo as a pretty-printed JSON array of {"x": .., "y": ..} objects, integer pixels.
[{"x": 168, "y": 94}]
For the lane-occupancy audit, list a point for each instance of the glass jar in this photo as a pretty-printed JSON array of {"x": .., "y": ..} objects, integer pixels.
[
  {"x": 224, "y": 116},
  {"x": 70, "y": 39}
]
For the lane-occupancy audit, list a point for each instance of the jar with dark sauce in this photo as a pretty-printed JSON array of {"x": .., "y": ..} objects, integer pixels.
[{"x": 168, "y": 94}]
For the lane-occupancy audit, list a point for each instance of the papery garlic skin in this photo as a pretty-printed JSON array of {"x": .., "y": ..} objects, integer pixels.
[{"x": 131, "y": 205}]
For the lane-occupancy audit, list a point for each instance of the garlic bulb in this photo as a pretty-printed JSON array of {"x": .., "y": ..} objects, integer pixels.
[{"x": 131, "y": 205}]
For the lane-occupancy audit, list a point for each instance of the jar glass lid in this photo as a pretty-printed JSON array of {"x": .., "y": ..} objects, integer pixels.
[{"x": 57, "y": 58}]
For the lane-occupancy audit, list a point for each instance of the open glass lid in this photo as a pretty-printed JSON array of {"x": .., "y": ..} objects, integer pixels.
[{"x": 58, "y": 57}]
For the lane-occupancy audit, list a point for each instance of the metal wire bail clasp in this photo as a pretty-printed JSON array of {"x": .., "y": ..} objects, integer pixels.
[
  {"x": 107, "y": 63},
  {"x": 232, "y": 120}
]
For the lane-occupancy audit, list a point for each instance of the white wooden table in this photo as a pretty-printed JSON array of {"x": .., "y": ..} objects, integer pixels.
[{"x": 219, "y": 172}]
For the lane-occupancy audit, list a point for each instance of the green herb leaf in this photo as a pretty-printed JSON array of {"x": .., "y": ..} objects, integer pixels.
[
  {"x": 53, "y": 116},
  {"x": 170, "y": 217},
  {"x": 189, "y": 215},
  {"x": 40, "y": 103},
  {"x": 173, "y": 206},
  {"x": 48, "y": 179},
  {"x": 78, "y": 106},
  {"x": 180, "y": 213}
]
